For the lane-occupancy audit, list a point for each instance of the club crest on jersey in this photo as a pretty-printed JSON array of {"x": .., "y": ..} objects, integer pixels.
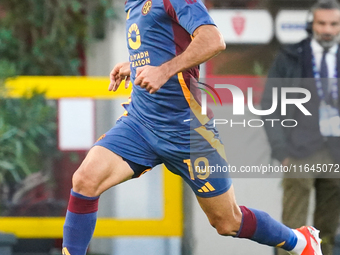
[{"x": 146, "y": 7}]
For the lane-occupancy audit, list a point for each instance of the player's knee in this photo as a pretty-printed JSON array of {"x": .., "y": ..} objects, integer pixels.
[
  {"x": 85, "y": 183},
  {"x": 227, "y": 226},
  {"x": 226, "y": 229}
]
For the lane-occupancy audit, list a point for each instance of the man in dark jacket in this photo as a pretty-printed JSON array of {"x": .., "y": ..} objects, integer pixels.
[{"x": 314, "y": 144}]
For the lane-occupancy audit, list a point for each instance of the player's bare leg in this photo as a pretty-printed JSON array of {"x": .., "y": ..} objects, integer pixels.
[
  {"x": 231, "y": 220},
  {"x": 100, "y": 170},
  {"x": 223, "y": 212}
]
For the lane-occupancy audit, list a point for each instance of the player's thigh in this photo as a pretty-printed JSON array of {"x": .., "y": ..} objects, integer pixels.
[
  {"x": 120, "y": 154},
  {"x": 222, "y": 211},
  {"x": 221, "y": 206},
  {"x": 100, "y": 170},
  {"x": 198, "y": 157},
  {"x": 130, "y": 139},
  {"x": 196, "y": 170},
  {"x": 203, "y": 165},
  {"x": 214, "y": 191}
]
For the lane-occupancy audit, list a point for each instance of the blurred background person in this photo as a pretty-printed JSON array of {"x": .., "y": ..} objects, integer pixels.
[{"x": 310, "y": 142}]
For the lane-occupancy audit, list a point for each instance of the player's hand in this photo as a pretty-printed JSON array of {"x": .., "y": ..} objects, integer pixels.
[
  {"x": 152, "y": 78},
  {"x": 120, "y": 72}
]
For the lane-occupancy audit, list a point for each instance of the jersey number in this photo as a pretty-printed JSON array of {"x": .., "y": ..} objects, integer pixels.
[{"x": 202, "y": 171}]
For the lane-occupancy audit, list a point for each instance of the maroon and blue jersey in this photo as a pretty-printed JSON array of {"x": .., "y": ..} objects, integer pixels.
[{"x": 157, "y": 31}]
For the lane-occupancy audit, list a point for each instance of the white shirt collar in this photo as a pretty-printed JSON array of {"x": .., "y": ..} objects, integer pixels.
[{"x": 317, "y": 48}]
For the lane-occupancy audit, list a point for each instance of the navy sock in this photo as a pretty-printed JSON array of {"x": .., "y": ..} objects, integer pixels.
[
  {"x": 260, "y": 227},
  {"x": 79, "y": 224}
]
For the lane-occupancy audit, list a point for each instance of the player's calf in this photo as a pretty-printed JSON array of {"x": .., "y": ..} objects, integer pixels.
[
  {"x": 100, "y": 170},
  {"x": 79, "y": 224}
]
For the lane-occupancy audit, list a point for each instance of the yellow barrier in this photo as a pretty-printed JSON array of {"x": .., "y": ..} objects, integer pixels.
[
  {"x": 51, "y": 227},
  {"x": 60, "y": 87}
]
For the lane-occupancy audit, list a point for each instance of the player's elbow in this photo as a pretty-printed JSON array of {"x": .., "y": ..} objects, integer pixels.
[
  {"x": 222, "y": 45},
  {"x": 211, "y": 37},
  {"x": 219, "y": 44}
]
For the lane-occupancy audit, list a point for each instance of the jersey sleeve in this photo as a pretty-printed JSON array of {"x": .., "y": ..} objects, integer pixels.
[{"x": 190, "y": 14}]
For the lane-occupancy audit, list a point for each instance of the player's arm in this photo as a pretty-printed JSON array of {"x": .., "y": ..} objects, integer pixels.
[
  {"x": 120, "y": 72},
  {"x": 207, "y": 42}
]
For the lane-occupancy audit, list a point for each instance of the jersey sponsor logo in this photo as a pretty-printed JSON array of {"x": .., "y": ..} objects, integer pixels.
[
  {"x": 140, "y": 59},
  {"x": 134, "y": 43},
  {"x": 190, "y": 1},
  {"x": 65, "y": 251},
  {"x": 146, "y": 7}
]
